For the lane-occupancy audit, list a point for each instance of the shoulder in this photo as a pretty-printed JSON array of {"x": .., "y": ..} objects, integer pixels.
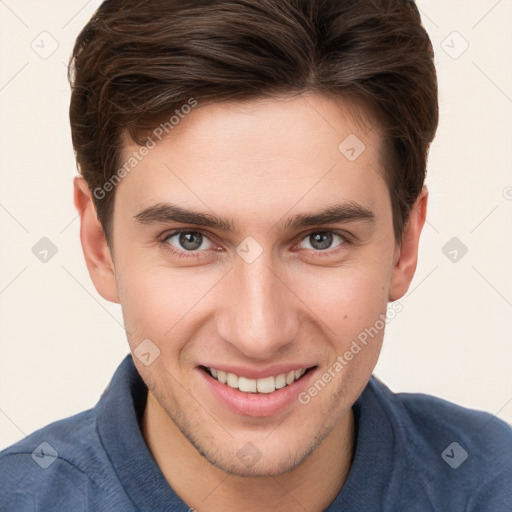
[
  {"x": 60, "y": 464},
  {"x": 455, "y": 453},
  {"x": 434, "y": 419},
  {"x": 70, "y": 440}
]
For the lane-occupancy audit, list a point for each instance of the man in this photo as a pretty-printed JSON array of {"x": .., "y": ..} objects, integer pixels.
[{"x": 251, "y": 193}]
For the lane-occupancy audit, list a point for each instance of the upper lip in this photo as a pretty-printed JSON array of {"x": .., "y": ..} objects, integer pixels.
[{"x": 259, "y": 373}]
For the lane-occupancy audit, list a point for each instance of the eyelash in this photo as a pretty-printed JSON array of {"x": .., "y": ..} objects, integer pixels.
[{"x": 347, "y": 239}]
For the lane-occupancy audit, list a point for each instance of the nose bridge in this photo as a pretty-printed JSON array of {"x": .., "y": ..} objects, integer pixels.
[{"x": 259, "y": 317}]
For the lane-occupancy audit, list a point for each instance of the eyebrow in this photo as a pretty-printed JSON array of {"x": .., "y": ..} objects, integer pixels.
[{"x": 163, "y": 213}]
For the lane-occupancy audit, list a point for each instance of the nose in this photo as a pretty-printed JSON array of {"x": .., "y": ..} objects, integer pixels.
[{"x": 260, "y": 316}]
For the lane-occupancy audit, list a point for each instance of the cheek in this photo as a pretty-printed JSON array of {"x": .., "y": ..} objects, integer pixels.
[
  {"x": 158, "y": 303},
  {"x": 347, "y": 298},
  {"x": 152, "y": 305}
]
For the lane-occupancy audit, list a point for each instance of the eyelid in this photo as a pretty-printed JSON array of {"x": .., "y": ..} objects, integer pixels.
[
  {"x": 165, "y": 236},
  {"x": 177, "y": 253},
  {"x": 348, "y": 237}
]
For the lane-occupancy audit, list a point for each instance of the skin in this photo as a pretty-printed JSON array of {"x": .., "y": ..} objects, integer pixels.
[{"x": 255, "y": 163}]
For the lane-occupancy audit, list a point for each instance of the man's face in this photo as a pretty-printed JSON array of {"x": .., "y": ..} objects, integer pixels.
[{"x": 266, "y": 296}]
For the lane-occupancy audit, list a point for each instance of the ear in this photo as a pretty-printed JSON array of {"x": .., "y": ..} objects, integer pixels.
[
  {"x": 406, "y": 254},
  {"x": 94, "y": 244}
]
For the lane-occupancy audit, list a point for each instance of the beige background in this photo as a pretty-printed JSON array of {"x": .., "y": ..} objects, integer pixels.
[{"x": 60, "y": 342}]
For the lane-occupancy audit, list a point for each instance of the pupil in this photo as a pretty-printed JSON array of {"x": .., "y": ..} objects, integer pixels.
[
  {"x": 190, "y": 241},
  {"x": 321, "y": 241}
]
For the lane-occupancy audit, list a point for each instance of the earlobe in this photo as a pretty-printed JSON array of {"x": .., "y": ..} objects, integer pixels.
[
  {"x": 406, "y": 255},
  {"x": 94, "y": 244}
]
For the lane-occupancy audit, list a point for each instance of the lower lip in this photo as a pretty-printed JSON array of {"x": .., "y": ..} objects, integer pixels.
[{"x": 256, "y": 404}]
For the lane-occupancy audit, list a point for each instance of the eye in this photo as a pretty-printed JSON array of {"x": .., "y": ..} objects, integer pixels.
[
  {"x": 188, "y": 241},
  {"x": 191, "y": 243},
  {"x": 323, "y": 240}
]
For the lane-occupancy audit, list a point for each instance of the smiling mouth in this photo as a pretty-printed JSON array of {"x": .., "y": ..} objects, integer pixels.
[{"x": 265, "y": 385}]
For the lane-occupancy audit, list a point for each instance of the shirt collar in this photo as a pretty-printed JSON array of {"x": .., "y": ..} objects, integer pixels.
[
  {"x": 376, "y": 468},
  {"x": 121, "y": 407},
  {"x": 119, "y": 412}
]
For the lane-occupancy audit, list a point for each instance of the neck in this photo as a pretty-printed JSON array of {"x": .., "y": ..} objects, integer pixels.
[{"x": 311, "y": 486}]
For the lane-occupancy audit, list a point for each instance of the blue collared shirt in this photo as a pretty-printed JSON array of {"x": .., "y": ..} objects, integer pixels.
[{"x": 414, "y": 452}]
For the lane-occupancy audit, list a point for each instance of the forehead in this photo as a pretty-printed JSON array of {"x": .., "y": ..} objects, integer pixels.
[{"x": 268, "y": 153}]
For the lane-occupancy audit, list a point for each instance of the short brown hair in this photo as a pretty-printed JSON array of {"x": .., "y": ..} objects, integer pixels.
[{"x": 137, "y": 61}]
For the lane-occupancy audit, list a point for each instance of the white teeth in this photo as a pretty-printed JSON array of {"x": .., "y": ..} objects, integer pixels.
[
  {"x": 264, "y": 385},
  {"x": 232, "y": 380},
  {"x": 247, "y": 385},
  {"x": 281, "y": 381}
]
